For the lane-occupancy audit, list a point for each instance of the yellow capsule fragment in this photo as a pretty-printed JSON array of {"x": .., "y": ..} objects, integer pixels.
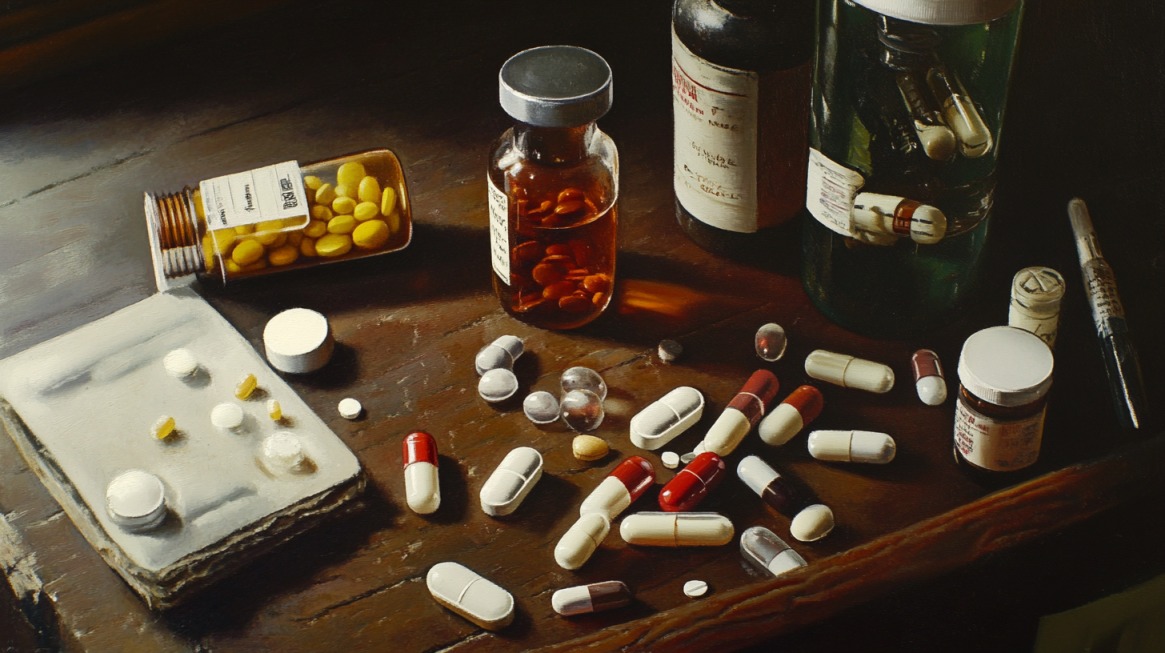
[
  {"x": 350, "y": 173},
  {"x": 341, "y": 224},
  {"x": 163, "y": 427},
  {"x": 307, "y": 247},
  {"x": 313, "y": 182},
  {"x": 372, "y": 234},
  {"x": 393, "y": 221},
  {"x": 246, "y": 387},
  {"x": 366, "y": 211},
  {"x": 369, "y": 189},
  {"x": 325, "y": 193},
  {"x": 320, "y": 212},
  {"x": 284, "y": 255},
  {"x": 333, "y": 245},
  {"x": 342, "y": 205},
  {"x": 247, "y": 252},
  {"x": 274, "y": 410},
  {"x": 387, "y": 201},
  {"x": 317, "y": 228}
]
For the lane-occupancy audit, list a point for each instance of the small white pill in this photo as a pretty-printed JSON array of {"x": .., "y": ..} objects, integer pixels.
[
  {"x": 691, "y": 455},
  {"x": 298, "y": 341},
  {"x": 349, "y": 408},
  {"x": 283, "y": 451},
  {"x": 812, "y": 523},
  {"x": 852, "y": 446},
  {"x": 136, "y": 500},
  {"x": 695, "y": 589},
  {"x": 498, "y": 384},
  {"x": 227, "y": 416},
  {"x": 671, "y": 459},
  {"x": 180, "y": 363},
  {"x": 849, "y": 371},
  {"x": 669, "y": 351}
]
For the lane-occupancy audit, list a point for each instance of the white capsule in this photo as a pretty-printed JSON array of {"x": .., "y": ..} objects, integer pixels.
[
  {"x": 227, "y": 416},
  {"x": 595, "y": 597},
  {"x": 676, "y": 529},
  {"x": 580, "y": 541},
  {"x": 767, "y": 552},
  {"x": 666, "y": 418},
  {"x": 812, "y": 523},
  {"x": 180, "y": 363},
  {"x": 422, "y": 487},
  {"x": 852, "y": 446},
  {"x": 468, "y": 594},
  {"x": 849, "y": 372},
  {"x": 501, "y": 353},
  {"x": 509, "y": 484},
  {"x": 349, "y": 408}
]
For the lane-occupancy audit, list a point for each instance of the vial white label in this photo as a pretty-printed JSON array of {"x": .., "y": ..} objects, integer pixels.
[
  {"x": 997, "y": 445},
  {"x": 272, "y": 192},
  {"x": 499, "y": 231},
  {"x": 715, "y": 111},
  {"x": 1100, "y": 285},
  {"x": 830, "y": 191}
]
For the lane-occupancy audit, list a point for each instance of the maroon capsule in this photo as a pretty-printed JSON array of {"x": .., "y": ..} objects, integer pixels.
[{"x": 689, "y": 487}]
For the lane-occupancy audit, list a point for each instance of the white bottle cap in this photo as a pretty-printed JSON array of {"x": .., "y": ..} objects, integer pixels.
[
  {"x": 1006, "y": 366},
  {"x": 941, "y": 12},
  {"x": 298, "y": 340}
]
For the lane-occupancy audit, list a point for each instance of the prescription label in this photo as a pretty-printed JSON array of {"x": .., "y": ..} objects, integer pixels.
[
  {"x": 997, "y": 445},
  {"x": 499, "y": 231},
  {"x": 1100, "y": 286},
  {"x": 715, "y": 109},
  {"x": 272, "y": 192},
  {"x": 829, "y": 192}
]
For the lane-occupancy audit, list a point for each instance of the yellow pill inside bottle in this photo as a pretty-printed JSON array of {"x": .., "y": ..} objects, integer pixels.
[
  {"x": 247, "y": 252},
  {"x": 387, "y": 201},
  {"x": 366, "y": 211},
  {"x": 342, "y": 205},
  {"x": 372, "y": 234},
  {"x": 246, "y": 387},
  {"x": 369, "y": 189},
  {"x": 350, "y": 173},
  {"x": 325, "y": 193},
  {"x": 313, "y": 182},
  {"x": 307, "y": 247},
  {"x": 333, "y": 245},
  {"x": 316, "y": 228},
  {"x": 285, "y": 255},
  {"x": 341, "y": 224},
  {"x": 320, "y": 212}
]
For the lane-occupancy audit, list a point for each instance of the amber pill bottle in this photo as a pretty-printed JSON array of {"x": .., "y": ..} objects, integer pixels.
[{"x": 553, "y": 187}]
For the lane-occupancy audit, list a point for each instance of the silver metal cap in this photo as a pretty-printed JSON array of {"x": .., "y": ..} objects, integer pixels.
[{"x": 555, "y": 86}]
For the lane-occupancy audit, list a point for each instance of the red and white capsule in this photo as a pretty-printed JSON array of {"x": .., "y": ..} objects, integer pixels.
[
  {"x": 928, "y": 377},
  {"x": 688, "y": 488},
  {"x": 742, "y": 413},
  {"x": 801, "y": 407},
  {"x": 422, "y": 485},
  {"x": 626, "y": 483}
]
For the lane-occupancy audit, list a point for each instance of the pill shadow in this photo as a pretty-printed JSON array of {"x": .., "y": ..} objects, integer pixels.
[
  {"x": 342, "y": 371},
  {"x": 542, "y": 510}
]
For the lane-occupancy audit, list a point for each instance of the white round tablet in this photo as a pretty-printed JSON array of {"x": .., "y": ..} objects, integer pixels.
[
  {"x": 136, "y": 499},
  {"x": 350, "y": 408},
  {"x": 180, "y": 363},
  {"x": 283, "y": 450},
  {"x": 227, "y": 416},
  {"x": 298, "y": 340},
  {"x": 695, "y": 588},
  {"x": 670, "y": 459}
]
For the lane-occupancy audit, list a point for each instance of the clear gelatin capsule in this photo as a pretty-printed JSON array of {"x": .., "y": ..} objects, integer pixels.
[
  {"x": 595, "y": 597},
  {"x": 502, "y": 352},
  {"x": 666, "y": 418},
  {"x": 928, "y": 377},
  {"x": 771, "y": 342},
  {"x": 584, "y": 378},
  {"x": 582, "y": 410},
  {"x": 849, "y": 371},
  {"x": 541, "y": 407},
  {"x": 767, "y": 552},
  {"x": 498, "y": 384}
]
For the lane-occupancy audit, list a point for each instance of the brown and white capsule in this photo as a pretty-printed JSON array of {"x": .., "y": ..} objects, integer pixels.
[{"x": 595, "y": 597}]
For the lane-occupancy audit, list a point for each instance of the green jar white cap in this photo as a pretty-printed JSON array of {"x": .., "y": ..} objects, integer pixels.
[
  {"x": 941, "y": 12},
  {"x": 1006, "y": 366},
  {"x": 555, "y": 86}
]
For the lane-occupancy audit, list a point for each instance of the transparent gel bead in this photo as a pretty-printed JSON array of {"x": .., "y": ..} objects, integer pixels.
[
  {"x": 541, "y": 407},
  {"x": 771, "y": 342},
  {"x": 584, "y": 378},
  {"x": 582, "y": 410},
  {"x": 497, "y": 385}
]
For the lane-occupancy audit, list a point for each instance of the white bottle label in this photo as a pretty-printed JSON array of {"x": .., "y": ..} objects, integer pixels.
[
  {"x": 830, "y": 191},
  {"x": 998, "y": 445},
  {"x": 273, "y": 192},
  {"x": 715, "y": 111},
  {"x": 499, "y": 231}
]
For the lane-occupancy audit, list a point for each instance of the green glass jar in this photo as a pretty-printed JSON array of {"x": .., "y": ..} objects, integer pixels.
[{"x": 907, "y": 111}]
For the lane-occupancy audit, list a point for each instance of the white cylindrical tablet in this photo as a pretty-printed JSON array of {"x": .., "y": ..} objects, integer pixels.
[
  {"x": 283, "y": 451},
  {"x": 136, "y": 500},
  {"x": 298, "y": 341},
  {"x": 676, "y": 529},
  {"x": 469, "y": 595},
  {"x": 852, "y": 446},
  {"x": 812, "y": 523},
  {"x": 767, "y": 552},
  {"x": 227, "y": 416},
  {"x": 849, "y": 371},
  {"x": 580, "y": 541},
  {"x": 509, "y": 484},
  {"x": 180, "y": 363},
  {"x": 350, "y": 408},
  {"x": 667, "y": 417}
]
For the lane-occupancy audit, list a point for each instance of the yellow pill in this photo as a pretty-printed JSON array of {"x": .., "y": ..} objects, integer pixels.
[
  {"x": 294, "y": 238},
  {"x": 247, "y": 252},
  {"x": 341, "y": 224},
  {"x": 246, "y": 386},
  {"x": 350, "y": 173},
  {"x": 325, "y": 193},
  {"x": 296, "y": 222},
  {"x": 269, "y": 233},
  {"x": 366, "y": 211},
  {"x": 232, "y": 267},
  {"x": 245, "y": 229},
  {"x": 320, "y": 212},
  {"x": 387, "y": 201},
  {"x": 284, "y": 255},
  {"x": 274, "y": 410},
  {"x": 261, "y": 264},
  {"x": 342, "y": 205},
  {"x": 333, "y": 245},
  {"x": 163, "y": 427},
  {"x": 313, "y": 182},
  {"x": 223, "y": 239},
  {"x": 369, "y": 190},
  {"x": 307, "y": 247},
  {"x": 316, "y": 228},
  {"x": 371, "y": 235},
  {"x": 393, "y": 220},
  {"x": 346, "y": 190}
]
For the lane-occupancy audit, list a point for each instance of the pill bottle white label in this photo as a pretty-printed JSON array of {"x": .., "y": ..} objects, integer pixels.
[
  {"x": 997, "y": 445},
  {"x": 499, "y": 230},
  {"x": 272, "y": 192},
  {"x": 829, "y": 192},
  {"x": 715, "y": 111}
]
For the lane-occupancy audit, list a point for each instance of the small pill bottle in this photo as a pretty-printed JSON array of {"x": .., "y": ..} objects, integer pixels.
[
  {"x": 279, "y": 217},
  {"x": 1004, "y": 377},
  {"x": 553, "y": 184},
  {"x": 1036, "y": 293}
]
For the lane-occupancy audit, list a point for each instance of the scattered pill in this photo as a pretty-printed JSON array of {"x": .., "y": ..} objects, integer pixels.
[
  {"x": 767, "y": 552},
  {"x": 691, "y": 455},
  {"x": 298, "y": 341},
  {"x": 136, "y": 500},
  {"x": 812, "y": 523},
  {"x": 689, "y": 487},
  {"x": 180, "y": 363},
  {"x": 666, "y": 418},
  {"x": 579, "y": 542},
  {"x": 744, "y": 411},
  {"x": 502, "y": 352},
  {"x": 852, "y": 446},
  {"x": 694, "y": 589},
  {"x": 469, "y": 595},
  {"x": 771, "y": 342},
  {"x": 227, "y": 416},
  {"x": 541, "y": 407},
  {"x": 594, "y": 597},
  {"x": 626, "y": 483},
  {"x": 582, "y": 410},
  {"x": 669, "y": 351},
  {"x": 584, "y": 378},
  {"x": 274, "y": 410},
  {"x": 775, "y": 489},
  {"x": 676, "y": 529},
  {"x": 848, "y": 371},
  {"x": 246, "y": 387},
  {"x": 498, "y": 384},
  {"x": 589, "y": 448},
  {"x": 422, "y": 482},
  {"x": 895, "y": 216},
  {"x": 928, "y": 377},
  {"x": 509, "y": 484},
  {"x": 350, "y": 408},
  {"x": 283, "y": 451},
  {"x": 671, "y": 459},
  {"x": 163, "y": 427},
  {"x": 786, "y": 420}
]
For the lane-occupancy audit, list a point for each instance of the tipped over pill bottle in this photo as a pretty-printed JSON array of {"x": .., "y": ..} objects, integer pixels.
[
  {"x": 279, "y": 217},
  {"x": 553, "y": 184}
]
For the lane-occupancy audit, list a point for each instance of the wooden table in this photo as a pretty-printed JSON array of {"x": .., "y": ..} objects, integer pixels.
[{"x": 309, "y": 81}]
